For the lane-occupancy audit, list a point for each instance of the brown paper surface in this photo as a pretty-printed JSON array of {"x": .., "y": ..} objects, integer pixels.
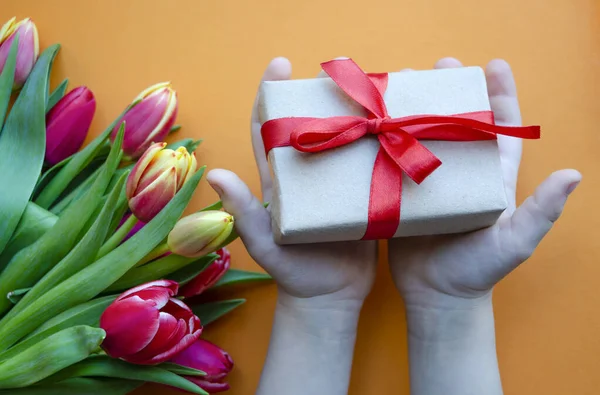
[{"x": 321, "y": 197}]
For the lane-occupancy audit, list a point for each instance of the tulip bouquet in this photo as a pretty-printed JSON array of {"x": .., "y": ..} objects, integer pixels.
[{"x": 98, "y": 272}]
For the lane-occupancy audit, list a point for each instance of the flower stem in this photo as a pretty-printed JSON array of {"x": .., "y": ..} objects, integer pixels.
[
  {"x": 159, "y": 251},
  {"x": 117, "y": 237}
]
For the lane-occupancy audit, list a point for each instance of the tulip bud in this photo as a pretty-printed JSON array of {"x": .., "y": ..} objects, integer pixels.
[
  {"x": 200, "y": 233},
  {"x": 209, "y": 276},
  {"x": 156, "y": 178},
  {"x": 27, "y": 51},
  {"x": 149, "y": 120},
  {"x": 67, "y": 124},
  {"x": 209, "y": 358},
  {"x": 147, "y": 326}
]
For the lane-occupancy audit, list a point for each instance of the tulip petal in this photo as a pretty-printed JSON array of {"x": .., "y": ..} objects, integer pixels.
[
  {"x": 140, "y": 167},
  {"x": 162, "y": 162},
  {"x": 68, "y": 124},
  {"x": 130, "y": 325},
  {"x": 208, "y": 357},
  {"x": 171, "y": 286},
  {"x": 179, "y": 347},
  {"x": 142, "y": 120},
  {"x": 209, "y": 276},
  {"x": 208, "y": 386},
  {"x": 154, "y": 198},
  {"x": 170, "y": 332},
  {"x": 6, "y": 29}
]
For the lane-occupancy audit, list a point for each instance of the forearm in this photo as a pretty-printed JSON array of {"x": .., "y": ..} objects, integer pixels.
[
  {"x": 452, "y": 350},
  {"x": 311, "y": 348}
]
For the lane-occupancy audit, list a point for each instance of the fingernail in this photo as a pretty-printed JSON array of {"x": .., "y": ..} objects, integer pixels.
[
  {"x": 217, "y": 189},
  {"x": 572, "y": 187}
]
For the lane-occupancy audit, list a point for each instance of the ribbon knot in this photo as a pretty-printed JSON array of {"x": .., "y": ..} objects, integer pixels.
[
  {"x": 400, "y": 150},
  {"x": 374, "y": 125}
]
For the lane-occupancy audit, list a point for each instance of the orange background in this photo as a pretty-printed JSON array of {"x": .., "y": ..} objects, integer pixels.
[{"x": 548, "y": 311}]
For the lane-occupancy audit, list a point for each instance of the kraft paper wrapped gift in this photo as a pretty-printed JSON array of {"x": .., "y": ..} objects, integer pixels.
[{"x": 324, "y": 197}]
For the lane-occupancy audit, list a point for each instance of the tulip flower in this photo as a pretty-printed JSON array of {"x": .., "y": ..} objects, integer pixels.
[
  {"x": 209, "y": 276},
  {"x": 156, "y": 178},
  {"x": 67, "y": 124},
  {"x": 27, "y": 51},
  {"x": 149, "y": 120},
  {"x": 200, "y": 233},
  {"x": 147, "y": 326},
  {"x": 205, "y": 356}
]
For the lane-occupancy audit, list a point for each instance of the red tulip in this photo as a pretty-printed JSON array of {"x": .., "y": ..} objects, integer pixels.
[
  {"x": 67, "y": 124},
  {"x": 147, "y": 326},
  {"x": 209, "y": 276},
  {"x": 205, "y": 356},
  {"x": 150, "y": 120}
]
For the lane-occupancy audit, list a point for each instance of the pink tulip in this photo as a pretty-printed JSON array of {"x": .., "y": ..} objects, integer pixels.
[
  {"x": 147, "y": 326},
  {"x": 209, "y": 276},
  {"x": 27, "y": 51},
  {"x": 205, "y": 356},
  {"x": 156, "y": 178},
  {"x": 150, "y": 120},
  {"x": 67, "y": 124}
]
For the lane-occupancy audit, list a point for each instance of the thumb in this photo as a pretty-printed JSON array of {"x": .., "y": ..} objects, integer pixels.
[
  {"x": 252, "y": 220},
  {"x": 523, "y": 231}
]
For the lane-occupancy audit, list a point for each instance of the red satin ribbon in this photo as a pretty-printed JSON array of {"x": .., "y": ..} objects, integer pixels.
[{"x": 400, "y": 149}]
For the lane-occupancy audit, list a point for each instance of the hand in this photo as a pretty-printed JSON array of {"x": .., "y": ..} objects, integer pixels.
[
  {"x": 439, "y": 270},
  {"x": 446, "y": 281},
  {"x": 329, "y": 272}
]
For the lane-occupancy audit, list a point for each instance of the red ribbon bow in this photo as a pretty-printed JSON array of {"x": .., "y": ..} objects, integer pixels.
[{"x": 400, "y": 149}]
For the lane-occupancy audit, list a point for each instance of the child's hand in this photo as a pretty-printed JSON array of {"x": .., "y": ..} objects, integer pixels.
[
  {"x": 440, "y": 269},
  {"x": 446, "y": 281},
  {"x": 323, "y": 273}
]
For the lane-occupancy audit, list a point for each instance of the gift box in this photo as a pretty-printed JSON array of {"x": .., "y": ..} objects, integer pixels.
[{"x": 359, "y": 156}]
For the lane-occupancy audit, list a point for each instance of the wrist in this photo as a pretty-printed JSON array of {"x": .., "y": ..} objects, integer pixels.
[
  {"x": 452, "y": 348},
  {"x": 448, "y": 318},
  {"x": 319, "y": 317}
]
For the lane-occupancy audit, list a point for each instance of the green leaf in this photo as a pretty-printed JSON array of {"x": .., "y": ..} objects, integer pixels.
[
  {"x": 23, "y": 145},
  {"x": 87, "y": 313},
  {"x": 84, "y": 314},
  {"x": 189, "y": 144},
  {"x": 80, "y": 256},
  {"x": 215, "y": 206},
  {"x": 63, "y": 203},
  {"x": 49, "y": 356},
  {"x": 102, "y": 366},
  {"x": 57, "y": 94},
  {"x": 234, "y": 276},
  {"x": 17, "y": 294},
  {"x": 174, "y": 129},
  {"x": 34, "y": 223},
  {"x": 95, "y": 278},
  {"x": 79, "y": 386},
  {"x": 155, "y": 270},
  {"x": 186, "y": 274},
  {"x": 181, "y": 370},
  {"x": 76, "y": 164},
  {"x": 55, "y": 244},
  {"x": 210, "y": 312},
  {"x": 7, "y": 78}
]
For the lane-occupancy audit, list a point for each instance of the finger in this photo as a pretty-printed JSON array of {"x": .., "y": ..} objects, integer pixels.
[
  {"x": 447, "y": 63},
  {"x": 502, "y": 92},
  {"x": 252, "y": 221},
  {"x": 522, "y": 232},
  {"x": 278, "y": 69}
]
